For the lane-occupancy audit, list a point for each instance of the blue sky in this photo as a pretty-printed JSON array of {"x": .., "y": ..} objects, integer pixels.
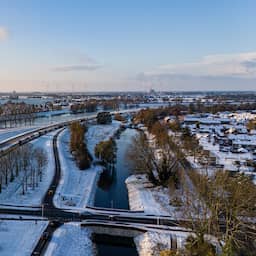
[{"x": 127, "y": 45}]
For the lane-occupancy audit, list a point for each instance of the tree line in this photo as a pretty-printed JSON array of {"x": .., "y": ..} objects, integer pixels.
[
  {"x": 26, "y": 163},
  {"x": 78, "y": 147},
  {"x": 150, "y": 116}
]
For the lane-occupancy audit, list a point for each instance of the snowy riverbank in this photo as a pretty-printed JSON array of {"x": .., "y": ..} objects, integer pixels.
[
  {"x": 98, "y": 133},
  {"x": 153, "y": 200},
  {"x": 70, "y": 239},
  {"x": 143, "y": 196},
  {"x": 77, "y": 187}
]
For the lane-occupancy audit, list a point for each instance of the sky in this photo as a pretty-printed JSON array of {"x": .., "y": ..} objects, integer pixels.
[{"x": 80, "y": 45}]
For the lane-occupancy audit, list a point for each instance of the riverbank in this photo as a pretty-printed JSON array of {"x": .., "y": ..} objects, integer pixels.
[
  {"x": 77, "y": 187},
  {"x": 112, "y": 191},
  {"x": 144, "y": 196},
  {"x": 71, "y": 239}
]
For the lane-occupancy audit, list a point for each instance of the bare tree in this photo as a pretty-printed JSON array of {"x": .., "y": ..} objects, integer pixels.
[
  {"x": 157, "y": 162},
  {"x": 223, "y": 206},
  {"x": 41, "y": 159}
]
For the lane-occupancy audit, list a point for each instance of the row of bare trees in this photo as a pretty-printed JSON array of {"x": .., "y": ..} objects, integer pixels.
[
  {"x": 78, "y": 147},
  {"x": 24, "y": 164},
  {"x": 13, "y": 114}
]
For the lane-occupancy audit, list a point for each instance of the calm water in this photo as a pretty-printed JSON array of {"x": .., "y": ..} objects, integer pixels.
[
  {"x": 115, "y": 250},
  {"x": 114, "y": 246},
  {"x": 111, "y": 191}
]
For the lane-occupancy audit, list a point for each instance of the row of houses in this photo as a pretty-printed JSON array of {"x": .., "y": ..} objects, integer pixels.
[{"x": 226, "y": 139}]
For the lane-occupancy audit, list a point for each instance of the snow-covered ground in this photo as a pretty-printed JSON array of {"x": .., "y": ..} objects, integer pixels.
[
  {"x": 77, "y": 187},
  {"x": 225, "y": 158},
  {"x": 98, "y": 133},
  {"x": 20, "y": 237},
  {"x": 53, "y": 112},
  {"x": 12, "y": 194},
  {"x": 70, "y": 239},
  {"x": 151, "y": 243},
  {"x": 143, "y": 196}
]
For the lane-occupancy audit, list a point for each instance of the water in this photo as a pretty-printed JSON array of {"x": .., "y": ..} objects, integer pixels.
[
  {"x": 34, "y": 101},
  {"x": 60, "y": 118},
  {"x": 114, "y": 245},
  {"x": 111, "y": 191},
  {"x": 49, "y": 119}
]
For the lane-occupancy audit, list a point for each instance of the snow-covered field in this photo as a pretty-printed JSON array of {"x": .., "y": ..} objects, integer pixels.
[
  {"x": 20, "y": 237},
  {"x": 12, "y": 194},
  {"x": 70, "y": 239},
  {"x": 143, "y": 196}
]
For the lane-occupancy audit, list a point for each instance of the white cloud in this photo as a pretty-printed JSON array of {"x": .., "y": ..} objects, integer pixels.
[
  {"x": 83, "y": 62},
  {"x": 3, "y": 33},
  {"x": 242, "y": 65},
  {"x": 69, "y": 68}
]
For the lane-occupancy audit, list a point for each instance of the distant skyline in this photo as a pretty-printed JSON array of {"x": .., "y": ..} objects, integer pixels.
[{"x": 112, "y": 45}]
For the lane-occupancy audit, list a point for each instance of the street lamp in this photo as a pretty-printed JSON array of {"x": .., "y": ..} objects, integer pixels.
[{"x": 42, "y": 210}]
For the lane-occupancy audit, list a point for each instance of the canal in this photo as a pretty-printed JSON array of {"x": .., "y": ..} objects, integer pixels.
[
  {"x": 114, "y": 245},
  {"x": 111, "y": 191}
]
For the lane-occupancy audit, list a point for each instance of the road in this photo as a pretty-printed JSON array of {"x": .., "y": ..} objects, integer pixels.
[
  {"x": 98, "y": 215},
  {"x": 12, "y": 143}
]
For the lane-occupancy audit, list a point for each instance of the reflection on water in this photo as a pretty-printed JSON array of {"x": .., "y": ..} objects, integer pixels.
[
  {"x": 111, "y": 191},
  {"x": 114, "y": 245}
]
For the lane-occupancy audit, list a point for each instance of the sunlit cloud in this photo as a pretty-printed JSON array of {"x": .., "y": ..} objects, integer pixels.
[
  {"x": 84, "y": 63},
  {"x": 4, "y": 34},
  {"x": 76, "y": 68},
  {"x": 242, "y": 65}
]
